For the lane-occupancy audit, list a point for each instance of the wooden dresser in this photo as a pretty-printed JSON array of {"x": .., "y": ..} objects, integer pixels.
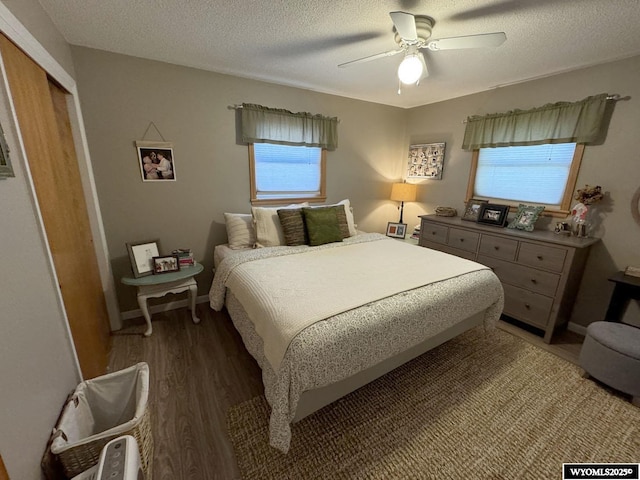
[{"x": 540, "y": 271}]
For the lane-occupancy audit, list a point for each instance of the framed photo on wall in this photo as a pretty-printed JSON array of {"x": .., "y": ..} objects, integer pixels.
[
  {"x": 141, "y": 256},
  {"x": 396, "y": 230},
  {"x": 426, "y": 161},
  {"x": 156, "y": 161},
  {"x": 493, "y": 214}
]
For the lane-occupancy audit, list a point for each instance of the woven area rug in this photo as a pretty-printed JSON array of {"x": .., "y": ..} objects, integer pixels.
[{"x": 480, "y": 406}]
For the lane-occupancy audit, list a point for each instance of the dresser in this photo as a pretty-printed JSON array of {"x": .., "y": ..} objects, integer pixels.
[{"x": 540, "y": 271}]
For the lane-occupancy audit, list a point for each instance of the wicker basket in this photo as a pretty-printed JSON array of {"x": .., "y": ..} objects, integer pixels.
[{"x": 100, "y": 410}]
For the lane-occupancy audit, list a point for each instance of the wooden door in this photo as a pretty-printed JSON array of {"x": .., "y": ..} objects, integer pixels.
[
  {"x": 46, "y": 132},
  {"x": 3, "y": 471}
]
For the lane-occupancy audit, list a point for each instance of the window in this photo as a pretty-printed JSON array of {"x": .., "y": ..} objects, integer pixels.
[
  {"x": 538, "y": 174},
  {"x": 289, "y": 173}
]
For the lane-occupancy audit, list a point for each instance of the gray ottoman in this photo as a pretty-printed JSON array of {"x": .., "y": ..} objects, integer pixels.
[{"x": 611, "y": 353}]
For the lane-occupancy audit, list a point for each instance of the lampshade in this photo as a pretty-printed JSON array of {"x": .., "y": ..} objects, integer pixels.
[
  {"x": 403, "y": 192},
  {"x": 410, "y": 69}
]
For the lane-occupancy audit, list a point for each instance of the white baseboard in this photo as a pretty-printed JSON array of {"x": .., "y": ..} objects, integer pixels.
[
  {"x": 163, "y": 307},
  {"x": 579, "y": 329}
]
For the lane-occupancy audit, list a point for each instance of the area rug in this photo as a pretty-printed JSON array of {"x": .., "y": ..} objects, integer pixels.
[{"x": 479, "y": 406}]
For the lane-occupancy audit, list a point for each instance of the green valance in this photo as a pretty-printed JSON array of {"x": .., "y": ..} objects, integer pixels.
[
  {"x": 263, "y": 124},
  {"x": 562, "y": 122}
]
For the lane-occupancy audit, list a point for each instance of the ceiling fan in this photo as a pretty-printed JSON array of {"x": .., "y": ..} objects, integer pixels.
[{"x": 412, "y": 34}]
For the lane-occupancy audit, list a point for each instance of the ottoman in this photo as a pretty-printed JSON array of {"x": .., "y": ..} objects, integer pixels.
[{"x": 611, "y": 353}]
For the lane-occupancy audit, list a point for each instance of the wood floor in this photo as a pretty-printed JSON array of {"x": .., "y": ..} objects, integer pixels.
[{"x": 197, "y": 372}]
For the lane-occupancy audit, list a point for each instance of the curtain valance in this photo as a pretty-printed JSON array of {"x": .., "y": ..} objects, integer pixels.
[
  {"x": 263, "y": 124},
  {"x": 562, "y": 122}
]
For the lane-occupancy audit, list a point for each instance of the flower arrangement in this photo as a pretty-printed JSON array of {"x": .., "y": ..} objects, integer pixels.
[{"x": 589, "y": 195}]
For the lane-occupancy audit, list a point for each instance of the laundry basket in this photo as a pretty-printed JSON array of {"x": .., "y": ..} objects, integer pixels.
[{"x": 100, "y": 410}]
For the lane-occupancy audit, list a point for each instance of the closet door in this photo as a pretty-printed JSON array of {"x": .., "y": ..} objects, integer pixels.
[{"x": 46, "y": 133}]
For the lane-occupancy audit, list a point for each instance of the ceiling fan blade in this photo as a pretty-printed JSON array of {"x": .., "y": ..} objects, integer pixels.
[
  {"x": 469, "y": 41},
  {"x": 425, "y": 71},
  {"x": 390, "y": 53},
  {"x": 405, "y": 24}
]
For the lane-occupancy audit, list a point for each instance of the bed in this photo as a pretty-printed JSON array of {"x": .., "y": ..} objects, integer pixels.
[{"x": 322, "y": 321}]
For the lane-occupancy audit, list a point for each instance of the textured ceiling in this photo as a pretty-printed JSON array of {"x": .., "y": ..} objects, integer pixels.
[{"x": 301, "y": 42}]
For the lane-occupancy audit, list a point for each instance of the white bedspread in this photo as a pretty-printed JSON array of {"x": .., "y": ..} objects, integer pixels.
[{"x": 285, "y": 295}]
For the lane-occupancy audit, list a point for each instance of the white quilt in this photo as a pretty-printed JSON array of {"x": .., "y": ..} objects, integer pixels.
[{"x": 283, "y": 295}]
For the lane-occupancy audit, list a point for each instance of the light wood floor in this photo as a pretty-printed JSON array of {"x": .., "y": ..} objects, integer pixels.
[{"x": 197, "y": 372}]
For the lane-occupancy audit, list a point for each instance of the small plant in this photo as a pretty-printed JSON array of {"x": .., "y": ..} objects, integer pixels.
[{"x": 589, "y": 195}]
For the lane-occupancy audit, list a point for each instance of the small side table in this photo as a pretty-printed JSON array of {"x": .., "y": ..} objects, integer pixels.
[
  {"x": 627, "y": 288},
  {"x": 154, "y": 286}
]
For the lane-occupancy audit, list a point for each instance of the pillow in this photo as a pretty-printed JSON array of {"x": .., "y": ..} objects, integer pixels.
[
  {"x": 293, "y": 227},
  {"x": 267, "y": 224},
  {"x": 322, "y": 225},
  {"x": 240, "y": 231},
  {"x": 349, "y": 213},
  {"x": 526, "y": 217},
  {"x": 342, "y": 219}
]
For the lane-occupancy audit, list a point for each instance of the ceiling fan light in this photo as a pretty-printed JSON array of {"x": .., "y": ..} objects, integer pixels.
[{"x": 410, "y": 70}]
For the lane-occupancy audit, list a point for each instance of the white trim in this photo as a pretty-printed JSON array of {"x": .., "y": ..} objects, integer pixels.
[
  {"x": 164, "y": 307},
  {"x": 18, "y": 34},
  {"x": 576, "y": 328}
]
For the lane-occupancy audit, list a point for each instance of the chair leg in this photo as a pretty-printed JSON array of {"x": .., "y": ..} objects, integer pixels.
[{"x": 585, "y": 374}]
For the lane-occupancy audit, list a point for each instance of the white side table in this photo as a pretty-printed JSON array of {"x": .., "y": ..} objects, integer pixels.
[{"x": 154, "y": 286}]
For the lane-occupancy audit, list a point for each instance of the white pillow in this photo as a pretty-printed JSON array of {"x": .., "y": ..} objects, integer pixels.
[
  {"x": 267, "y": 224},
  {"x": 349, "y": 211},
  {"x": 240, "y": 230}
]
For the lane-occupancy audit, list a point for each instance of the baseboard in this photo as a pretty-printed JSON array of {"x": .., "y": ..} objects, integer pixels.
[
  {"x": 575, "y": 328},
  {"x": 163, "y": 307}
]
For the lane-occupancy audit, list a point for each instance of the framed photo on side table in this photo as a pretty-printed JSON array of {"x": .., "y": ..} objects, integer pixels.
[
  {"x": 493, "y": 214},
  {"x": 141, "y": 256},
  {"x": 166, "y": 264},
  {"x": 396, "y": 230},
  {"x": 472, "y": 209}
]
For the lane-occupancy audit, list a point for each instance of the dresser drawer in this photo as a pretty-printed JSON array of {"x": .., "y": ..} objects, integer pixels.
[
  {"x": 450, "y": 250},
  {"x": 434, "y": 233},
  {"x": 463, "y": 239},
  {"x": 498, "y": 247},
  {"x": 527, "y": 306},
  {"x": 549, "y": 258},
  {"x": 531, "y": 279}
]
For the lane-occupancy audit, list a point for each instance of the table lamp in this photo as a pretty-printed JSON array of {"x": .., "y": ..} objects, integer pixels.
[{"x": 403, "y": 192}]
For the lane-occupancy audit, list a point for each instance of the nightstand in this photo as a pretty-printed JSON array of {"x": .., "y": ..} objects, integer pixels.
[{"x": 154, "y": 286}]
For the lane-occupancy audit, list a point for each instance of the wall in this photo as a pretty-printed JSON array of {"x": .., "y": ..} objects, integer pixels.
[
  {"x": 38, "y": 367},
  {"x": 612, "y": 165},
  {"x": 121, "y": 96}
]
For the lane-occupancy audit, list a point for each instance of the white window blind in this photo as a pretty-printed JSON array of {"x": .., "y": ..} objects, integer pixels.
[
  {"x": 535, "y": 174},
  {"x": 283, "y": 171}
]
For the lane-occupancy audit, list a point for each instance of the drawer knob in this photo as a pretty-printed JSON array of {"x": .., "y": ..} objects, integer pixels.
[
  {"x": 462, "y": 239},
  {"x": 496, "y": 247},
  {"x": 527, "y": 306},
  {"x": 539, "y": 257},
  {"x": 433, "y": 233},
  {"x": 534, "y": 281}
]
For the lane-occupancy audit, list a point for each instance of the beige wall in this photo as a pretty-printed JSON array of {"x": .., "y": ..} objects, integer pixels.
[
  {"x": 121, "y": 95},
  {"x": 37, "y": 365},
  {"x": 613, "y": 165}
]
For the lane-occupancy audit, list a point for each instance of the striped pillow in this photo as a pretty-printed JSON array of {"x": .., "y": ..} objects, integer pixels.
[
  {"x": 240, "y": 230},
  {"x": 293, "y": 227}
]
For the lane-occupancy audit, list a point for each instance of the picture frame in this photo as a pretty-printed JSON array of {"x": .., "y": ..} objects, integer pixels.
[
  {"x": 156, "y": 161},
  {"x": 396, "y": 230},
  {"x": 472, "y": 209},
  {"x": 165, "y": 264},
  {"x": 141, "y": 256},
  {"x": 526, "y": 217},
  {"x": 493, "y": 214},
  {"x": 6, "y": 170},
  {"x": 426, "y": 161}
]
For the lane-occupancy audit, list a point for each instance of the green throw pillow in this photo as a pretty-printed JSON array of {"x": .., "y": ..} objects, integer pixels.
[{"x": 322, "y": 225}]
